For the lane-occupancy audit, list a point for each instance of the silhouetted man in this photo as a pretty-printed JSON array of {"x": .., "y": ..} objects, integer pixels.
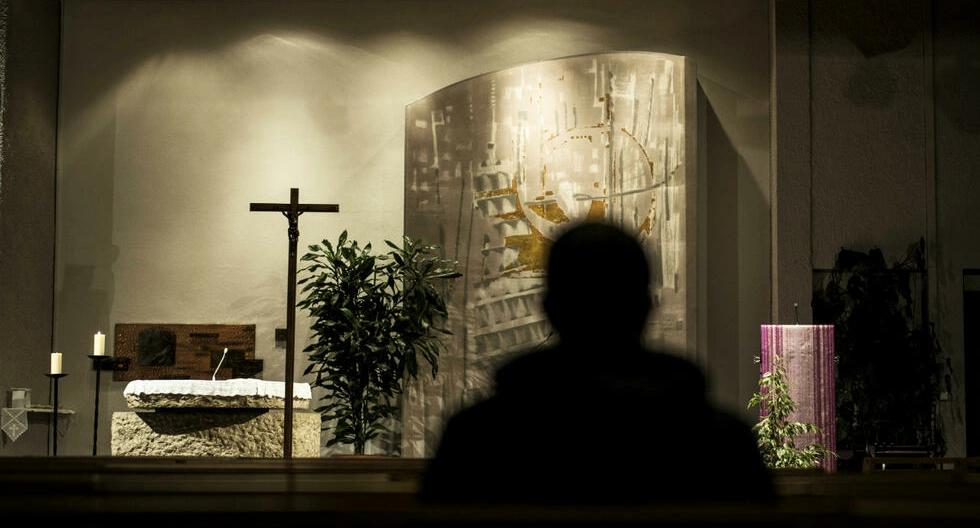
[{"x": 597, "y": 419}]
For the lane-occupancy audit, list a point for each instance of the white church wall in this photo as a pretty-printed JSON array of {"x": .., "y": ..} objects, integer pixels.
[{"x": 175, "y": 115}]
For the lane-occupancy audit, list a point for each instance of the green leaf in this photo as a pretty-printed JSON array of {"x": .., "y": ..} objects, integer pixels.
[{"x": 371, "y": 317}]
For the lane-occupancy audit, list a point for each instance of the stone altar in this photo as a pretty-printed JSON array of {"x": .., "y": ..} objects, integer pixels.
[{"x": 233, "y": 418}]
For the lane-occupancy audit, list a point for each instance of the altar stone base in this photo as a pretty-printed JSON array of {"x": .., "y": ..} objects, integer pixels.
[{"x": 213, "y": 433}]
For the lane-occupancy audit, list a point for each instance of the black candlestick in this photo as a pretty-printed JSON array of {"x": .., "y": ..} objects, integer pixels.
[
  {"x": 54, "y": 412},
  {"x": 97, "y": 363}
]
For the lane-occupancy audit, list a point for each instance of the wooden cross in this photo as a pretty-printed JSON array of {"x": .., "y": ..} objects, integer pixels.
[{"x": 292, "y": 211}]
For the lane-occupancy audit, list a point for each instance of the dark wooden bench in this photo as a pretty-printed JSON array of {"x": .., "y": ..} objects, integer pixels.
[{"x": 355, "y": 492}]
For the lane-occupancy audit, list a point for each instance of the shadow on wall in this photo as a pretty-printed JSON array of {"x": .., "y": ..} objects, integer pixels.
[
  {"x": 81, "y": 306},
  {"x": 877, "y": 29},
  {"x": 959, "y": 72},
  {"x": 722, "y": 246},
  {"x": 451, "y": 25},
  {"x": 81, "y": 312},
  {"x": 737, "y": 216}
]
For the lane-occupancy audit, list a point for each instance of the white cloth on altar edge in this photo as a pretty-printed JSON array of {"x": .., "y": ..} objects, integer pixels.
[{"x": 230, "y": 388}]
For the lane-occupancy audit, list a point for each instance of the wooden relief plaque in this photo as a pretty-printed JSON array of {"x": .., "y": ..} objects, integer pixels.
[{"x": 185, "y": 351}]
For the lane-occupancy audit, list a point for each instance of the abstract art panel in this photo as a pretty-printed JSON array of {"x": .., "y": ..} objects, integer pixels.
[
  {"x": 496, "y": 166},
  {"x": 185, "y": 351}
]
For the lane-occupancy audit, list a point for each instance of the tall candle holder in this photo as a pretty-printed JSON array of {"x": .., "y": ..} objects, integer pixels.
[
  {"x": 97, "y": 360},
  {"x": 54, "y": 411}
]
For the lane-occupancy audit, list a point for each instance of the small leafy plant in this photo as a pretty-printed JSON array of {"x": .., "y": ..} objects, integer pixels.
[
  {"x": 375, "y": 318},
  {"x": 777, "y": 435}
]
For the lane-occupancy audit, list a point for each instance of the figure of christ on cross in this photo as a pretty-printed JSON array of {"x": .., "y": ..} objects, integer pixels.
[{"x": 292, "y": 211}]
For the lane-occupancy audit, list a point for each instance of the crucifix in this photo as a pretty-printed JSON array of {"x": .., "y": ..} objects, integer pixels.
[{"x": 292, "y": 211}]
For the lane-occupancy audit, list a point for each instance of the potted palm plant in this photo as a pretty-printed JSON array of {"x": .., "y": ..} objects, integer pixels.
[{"x": 375, "y": 323}]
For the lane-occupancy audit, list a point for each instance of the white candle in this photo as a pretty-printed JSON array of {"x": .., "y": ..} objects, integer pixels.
[
  {"x": 56, "y": 363},
  {"x": 98, "y": 348},
  {"x": 17, "y": 398}
]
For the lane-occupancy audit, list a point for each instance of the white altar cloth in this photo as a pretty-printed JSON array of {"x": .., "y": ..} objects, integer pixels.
[{"x": 229, "y": 388}]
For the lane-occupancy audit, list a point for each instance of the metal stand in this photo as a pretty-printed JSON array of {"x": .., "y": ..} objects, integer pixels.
[
  {"x": 97, "y": 363},
  {"x": 54, "y": 412}
]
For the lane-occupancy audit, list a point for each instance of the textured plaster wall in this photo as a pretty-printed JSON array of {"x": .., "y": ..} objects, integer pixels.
[
  {"x": 894, "y": 148},
  {"x": 27, "y": 214},
  {"x": 957, "y": 195},
  {"x": 790, "y": 137},
  {"x": 869, "y": 138},
  {"x": 175, "y": 115}
]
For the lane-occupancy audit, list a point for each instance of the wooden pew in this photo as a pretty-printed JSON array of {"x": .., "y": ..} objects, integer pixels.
[{"x": 380, "y": 492}]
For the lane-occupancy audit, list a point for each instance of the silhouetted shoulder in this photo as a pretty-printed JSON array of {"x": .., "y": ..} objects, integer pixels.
[
  {"x": 596, "y": 419},
  {"x": 642, "y": 369},
  {"x": 466, "y": 465}
]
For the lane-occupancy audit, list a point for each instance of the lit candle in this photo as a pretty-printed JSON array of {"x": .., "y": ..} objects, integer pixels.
[
  {"x": 98, "y": 347},
  {"x": 56, "y": 363}
]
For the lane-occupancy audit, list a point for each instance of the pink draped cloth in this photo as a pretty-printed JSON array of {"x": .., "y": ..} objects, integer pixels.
[{"x": 808, "y": 356}]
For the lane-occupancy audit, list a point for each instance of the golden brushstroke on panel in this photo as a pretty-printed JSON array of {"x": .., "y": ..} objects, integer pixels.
[
  {"x": 551, "y": 212},
  {"x": 597, "y": 211},
  {"x": 532, "y": 250}
]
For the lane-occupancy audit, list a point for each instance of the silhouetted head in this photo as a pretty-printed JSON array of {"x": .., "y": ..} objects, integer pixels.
[{"x": 598, "y": 285}]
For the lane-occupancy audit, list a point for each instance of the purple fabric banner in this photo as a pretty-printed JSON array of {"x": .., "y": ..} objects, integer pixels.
[{"x": 808, "y": 354}]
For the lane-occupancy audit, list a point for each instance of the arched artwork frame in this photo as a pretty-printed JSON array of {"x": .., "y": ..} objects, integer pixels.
[{"x": 496, "y": 166}]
